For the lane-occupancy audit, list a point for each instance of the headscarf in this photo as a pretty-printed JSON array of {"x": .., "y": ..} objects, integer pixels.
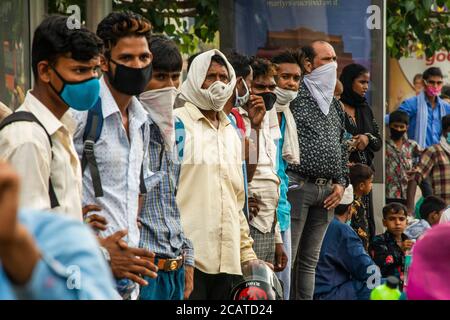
[
  {"x": 217, "y": 95},
  {"x": 363, "y": 112},
  {"x": 428, "y": 275}
]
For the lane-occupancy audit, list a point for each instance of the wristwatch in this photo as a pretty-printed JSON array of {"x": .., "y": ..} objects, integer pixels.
[{"x": 105, "y": 254}]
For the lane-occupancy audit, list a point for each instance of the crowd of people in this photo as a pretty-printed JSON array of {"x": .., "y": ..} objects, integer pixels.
[{"x": 120, "y": 181}]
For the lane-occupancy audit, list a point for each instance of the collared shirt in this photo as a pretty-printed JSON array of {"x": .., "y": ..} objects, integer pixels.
[
  {"x": 323, "y": 151},
  {"x": 398, "y": 163},
  {"x": 434, "y": 122},
  {"x": 344, "y": 265},
  {"x": 119, "y": 160},
  {"x": 435, "y": 162},
  {"x": 265, "y": 183},
  {"x": 71, "y": 268},
  {"x": 388, "y": 256},
  {"x": 25, "y": 145},
  {"x": 417, "y": 228},
  {"x": 161, "y": 230},
  {"x": 211, "y": 193},
  {"x": 284, "y": 207}
]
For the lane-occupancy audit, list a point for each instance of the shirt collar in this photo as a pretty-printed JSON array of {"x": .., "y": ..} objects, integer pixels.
[
  {"x": 196, "y": 114},
  {"x": 109, "y": 105},
  {"x": 46, "y": 117}
]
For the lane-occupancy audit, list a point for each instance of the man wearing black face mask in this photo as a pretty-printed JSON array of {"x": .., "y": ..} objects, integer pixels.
[
  {"x": 119, "y": 150},
  {"x": 264, "y": 186},
  {"x": 401, "y": 155}
]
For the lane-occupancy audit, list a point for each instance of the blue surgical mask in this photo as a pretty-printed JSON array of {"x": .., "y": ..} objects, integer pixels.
[{"x": 80, "y": 96}]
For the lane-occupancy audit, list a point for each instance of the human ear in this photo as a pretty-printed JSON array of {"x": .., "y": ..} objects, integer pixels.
[{"x": 43, "y": 71}]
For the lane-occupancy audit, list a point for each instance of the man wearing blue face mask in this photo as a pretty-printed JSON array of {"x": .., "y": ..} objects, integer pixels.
[
  {"x": 113, "y": 143},
  {"x": 37, "y": 139}
]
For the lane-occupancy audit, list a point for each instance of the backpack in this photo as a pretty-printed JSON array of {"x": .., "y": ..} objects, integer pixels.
[
  {"x": 92, "y": 132},
  {"x": 22, "y": 116}
]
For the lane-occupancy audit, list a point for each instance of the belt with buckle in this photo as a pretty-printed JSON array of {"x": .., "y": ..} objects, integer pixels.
[
  {"x": 168, "y": 264},
  {"x": 317, "y": 181}
]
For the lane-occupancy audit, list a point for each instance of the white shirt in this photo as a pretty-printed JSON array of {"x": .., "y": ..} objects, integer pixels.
[
  {"x": 445, "y": 218},
  {"x": 25, "y": 145}
]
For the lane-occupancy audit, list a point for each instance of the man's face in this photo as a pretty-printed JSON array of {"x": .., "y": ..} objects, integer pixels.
[
  {"x": 418, "y": 85},
  {"x": 324, "y": 54},
  {"x": 435, "y": 217},
  {"x": 216, "y": 72},
  {"x": 395, "y": 223},
  {"x": 435, "y": 82},
  {"x": 162, "y": 79},
  {"x": 248, "y": 81},
  {"x": 263, "y": 84},
  {"x": 288, "y": 76},
  {"x": 131, "y": 51},
  {"x": 69, "y": 69},
  {"x": 399, "y": 126}
]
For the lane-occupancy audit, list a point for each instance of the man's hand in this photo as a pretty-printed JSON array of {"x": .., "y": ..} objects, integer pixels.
[
  {"x": 127, "y": 262},
  {"x": 253, "y": 208},
  {"x": 332, "y": 201},
  {"x": 256, "y": 111},
  {"x": 362, "y": 141},
  {"x": 95, "y": 221},
  {"x": 281, "y": 258},
  {"x": 9, "y": 203},
  {"x": 188, "y": 281}
]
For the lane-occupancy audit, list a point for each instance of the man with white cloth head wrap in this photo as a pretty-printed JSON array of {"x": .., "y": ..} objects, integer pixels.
[{"x": 211, "y": 186}]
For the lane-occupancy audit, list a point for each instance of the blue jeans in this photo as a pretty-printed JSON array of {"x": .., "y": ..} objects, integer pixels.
[
  {"x": 285, "y": 275},
  {"x": 168, "y": 285}
]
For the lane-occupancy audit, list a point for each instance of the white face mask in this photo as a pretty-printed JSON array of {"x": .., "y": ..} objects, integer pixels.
[
  {"x": 321, "y": 83},
  {"x": 218, "y": 93},
  {"x": 241, "y": 101},
  {"x": 284, "y": 96},
  {"x": 159, "y": 104}
]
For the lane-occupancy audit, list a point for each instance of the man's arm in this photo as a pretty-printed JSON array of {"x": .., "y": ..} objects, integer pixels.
[{"x": 247, "y": 252}]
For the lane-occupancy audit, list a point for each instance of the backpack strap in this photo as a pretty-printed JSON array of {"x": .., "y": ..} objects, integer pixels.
[
  {"x": 239, "y": 121},
  {"x": 91, "y": 134},
  {"x": 29, "y": 117}
]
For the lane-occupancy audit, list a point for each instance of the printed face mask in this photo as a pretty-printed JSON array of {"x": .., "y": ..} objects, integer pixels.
[{"x": 80, "y": 95}]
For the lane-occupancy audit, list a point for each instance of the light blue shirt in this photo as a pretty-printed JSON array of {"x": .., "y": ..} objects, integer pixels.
[
  {"x": 284, "y": 207},
  {"x": 71, "y": 268},
  {"x": 119, "y": 161},
  {"x": 434, "y": 122}
]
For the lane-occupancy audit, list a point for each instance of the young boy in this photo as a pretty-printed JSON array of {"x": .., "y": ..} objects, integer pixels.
[
  {"x": 388, "y": 249},
  {"x": 431, "y": 211},
  {"x": 361, "y": 178},
  {"x": 400, "y": 155},
  {"x": 161, "y": 230}
]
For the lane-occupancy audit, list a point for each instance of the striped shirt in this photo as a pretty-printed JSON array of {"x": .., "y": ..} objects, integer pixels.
[{"x": 161, "y": 223}]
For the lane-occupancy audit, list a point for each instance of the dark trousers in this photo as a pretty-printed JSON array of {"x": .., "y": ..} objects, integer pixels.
[
  {"x": 213, "y": 286},
  {"x": 309, "y": 222}
]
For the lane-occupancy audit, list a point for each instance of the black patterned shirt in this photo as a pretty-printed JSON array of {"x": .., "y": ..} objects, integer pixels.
[{"x": 323, "y": 152}]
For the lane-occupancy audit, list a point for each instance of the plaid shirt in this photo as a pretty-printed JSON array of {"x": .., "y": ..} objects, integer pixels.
[
  {"x": 398, "y": 163},
  {"x": 161, "y": 223},
  {"x": 435, "y": 162}
]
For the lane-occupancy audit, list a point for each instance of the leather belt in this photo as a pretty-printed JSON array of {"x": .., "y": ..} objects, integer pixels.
[
  {"x": 317, "y": 181},
  {"x": 168, "y": 264}
]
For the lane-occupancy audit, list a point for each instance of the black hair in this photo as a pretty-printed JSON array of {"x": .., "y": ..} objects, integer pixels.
[
  {"x": 394, "y": 207},
  {"x": 289, "y": 56},
  {"x": 117, "y": 25},
  {"x": 417, "y": 77},
  {"x": 431, "y": 204},
  {"x": 166, "y": 56},
  {"x": 359, "y": 173},
  {"x": 262, "y": 68},
  {"x": 432, "y": 72},
  {"x": 399, "y": 116},
  {"x": 445, "y": 123},
  {"x": 341, "y": 209},
  {"x": 191, "y": 59},
  {"x": 240, "y": 63},
  {"x": 218, "y": 59},
  {"x": 53, "y": 39},
  {"x": 445, "y": 92}
]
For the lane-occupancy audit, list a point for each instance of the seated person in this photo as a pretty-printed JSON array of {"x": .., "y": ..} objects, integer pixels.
[
  {"x": 431, "y": 211},
  {"x": 45, "y": 256},
  {"x": 344, "y": 267},
  {"x": 388, "y": 249}
]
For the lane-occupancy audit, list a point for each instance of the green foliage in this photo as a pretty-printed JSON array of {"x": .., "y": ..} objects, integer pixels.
[
  {"x": 171, "y": 17},
  {"x": 420, "y": 26}
]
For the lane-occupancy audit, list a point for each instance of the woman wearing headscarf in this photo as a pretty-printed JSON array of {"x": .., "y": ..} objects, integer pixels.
[{"x": 361, "y": 125}]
